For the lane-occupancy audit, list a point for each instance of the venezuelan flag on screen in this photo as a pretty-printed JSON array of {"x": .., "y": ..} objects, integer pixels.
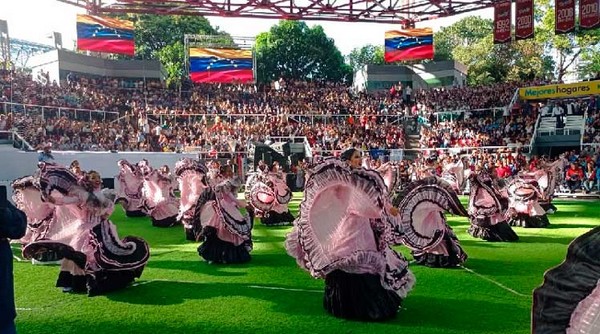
[
  {"x": 102, "y": 34},
  {"x": 409, "y": 44},
  {"x": 221, "y": 65}
]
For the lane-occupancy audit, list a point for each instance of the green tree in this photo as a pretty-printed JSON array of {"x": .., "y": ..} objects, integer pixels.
[
  {"x": 368, "y": 54},
  {"x": 569, "y": 48},
  {"x": 292, "y": 50},
  {"x": 464, "y": 33},
  {"x": 471, "y": 42},
  {"x": 154, "y": 32},
  {"x": 161, "y": 37},
  {"x": 590, "y": 63},
  {"x": 170, "y": 58}
]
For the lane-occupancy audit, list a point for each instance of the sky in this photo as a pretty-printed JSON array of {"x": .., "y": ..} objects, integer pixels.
[{"x": 35, "y": 20}]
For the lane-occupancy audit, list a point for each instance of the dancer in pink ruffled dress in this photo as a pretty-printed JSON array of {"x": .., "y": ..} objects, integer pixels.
[
  {"x": 343, "y": 234},
  {"x": 422, "y": 226},
  {"x": 488, "y": 208},
  {"x": 131, "y": 182},
  {"x": 159, "y": 200},
  {"x": 191, "y": 176},
  {"x": 40, "y": 215},
  {"x": 269, "y": 195},
  {"x": 96, "y": 260},
  {"x": 226, "y": 233},
  {"x": 524, "y": 208}
]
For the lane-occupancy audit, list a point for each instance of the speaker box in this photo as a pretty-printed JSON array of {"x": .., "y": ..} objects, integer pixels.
[
  {"x": 108, "y": 183},
  {"x": 268, "y": 155}
]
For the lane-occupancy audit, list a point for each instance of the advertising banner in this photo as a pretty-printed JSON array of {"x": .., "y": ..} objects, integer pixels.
[{"x": 560, "y": 91}]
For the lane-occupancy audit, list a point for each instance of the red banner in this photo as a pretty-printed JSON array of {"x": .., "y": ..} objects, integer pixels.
[
  {"x": 564, "y": 16},
  {"x": 524, "y": 26},
  {"x": 502, "y": 22},
  {"x": 589, "y": 14}
]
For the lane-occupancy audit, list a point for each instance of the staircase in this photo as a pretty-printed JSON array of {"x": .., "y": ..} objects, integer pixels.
[
  {"x": 573, "y": 126},
  {"x": 548, "y": 135}
]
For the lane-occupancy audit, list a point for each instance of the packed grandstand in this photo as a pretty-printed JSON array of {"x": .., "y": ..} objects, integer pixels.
[{"x": 112, "y": 114}]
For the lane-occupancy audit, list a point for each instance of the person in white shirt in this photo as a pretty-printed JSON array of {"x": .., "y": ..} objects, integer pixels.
[{"x": 545, "y": 110}]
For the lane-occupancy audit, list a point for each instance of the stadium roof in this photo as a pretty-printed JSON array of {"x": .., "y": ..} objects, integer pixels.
[{"x": 379, "y": 11}]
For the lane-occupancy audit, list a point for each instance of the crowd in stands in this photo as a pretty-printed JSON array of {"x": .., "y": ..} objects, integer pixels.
[
  {"x": 592, "y": 122},
  {"x": 581, "y": 169},
  {"x": 501, "y": 127},
  {"x": 153, "y": 118},
  {"x": 331, "y": 116},
  {"x": 470, "y": 98}
]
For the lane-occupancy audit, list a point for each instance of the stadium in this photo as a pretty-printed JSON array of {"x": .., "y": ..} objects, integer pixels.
[{"x": 164, "y": 174}]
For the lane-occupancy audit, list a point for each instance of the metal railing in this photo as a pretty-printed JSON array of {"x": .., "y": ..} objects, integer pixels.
[
  {"x": 514, "y": 99},
  {"x": 585, "y": 116},
  {"x": 458, "y": 112},
  {"x": 535, "y": 130},
  {"x": 566, "y": 131},
  {"x": 16, "y": 140},
  {"x": 308, "y": 118},
  {"x": 57, "y": 112}
]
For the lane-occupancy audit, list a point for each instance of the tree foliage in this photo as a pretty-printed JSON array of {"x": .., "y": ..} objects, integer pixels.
[
  {"x": 470, "y": 41},
  {"x": 161, "y": 37},
  {"x": 154, "y": 32},
  {"x": 367, "y": 55},
  {"x": 292, "y": 50},
  {"x": 463, "y": 33},
  {"x": 569, "y": 47},
  {"x": 589, "y": 68}
]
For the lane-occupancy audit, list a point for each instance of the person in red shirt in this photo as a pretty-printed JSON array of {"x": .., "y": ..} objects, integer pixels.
[
  {"x": 574, "y": 176},
  {"x": 502, "y": 170}
]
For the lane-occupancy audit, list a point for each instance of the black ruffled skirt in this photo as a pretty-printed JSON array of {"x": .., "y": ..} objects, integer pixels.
[
  {"x": 456, "y": 255},
  {"x": 215, "y": 250},
  {"x": 98, "y": 283},
  {"x": 277, "y": 219},
  {"x": 481, "y": 228},
  {"x": 359, "y": 297},
  {"x": 548, "y": 206},
  {"x": 523, "y": 220},
  {"x": 136, "y": 213},
  {"x": 167, "y": 222},
  {"x": 192, "y": 232},
  {"x": 76, "y": 282}
]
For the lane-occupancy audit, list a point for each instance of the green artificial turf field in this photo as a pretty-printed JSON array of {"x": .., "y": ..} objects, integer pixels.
[{"x": 180, "y": 293}]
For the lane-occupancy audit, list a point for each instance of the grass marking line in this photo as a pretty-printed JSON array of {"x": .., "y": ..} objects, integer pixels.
[
  {"x": 494, "y": 282},
  {"x": 249, "y": 286},
  {"x": 284, "y": 289}
]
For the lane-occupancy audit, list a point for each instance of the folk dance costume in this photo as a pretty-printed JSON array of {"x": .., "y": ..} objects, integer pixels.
[
  {"x": 454, "y": 174},
  {"x": 191, "y": 176},
  {"x": 226, "y": 233},
  {"x": 569, "y": 299},
  {"x": 131, "y": 182},
  {"x": 343, "y": 234},
  {"x": 524, "y": 209},
  {"x": 40, "y": 215},
  {"x": 159, "y": 200},
  {"x": 548, "y": 183},
  {"x": 422, "y": 226},
  {"x": 269, "y": 195},
  {"x": 95, "y": 259},
  {"x": 487, "y": 210}
]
